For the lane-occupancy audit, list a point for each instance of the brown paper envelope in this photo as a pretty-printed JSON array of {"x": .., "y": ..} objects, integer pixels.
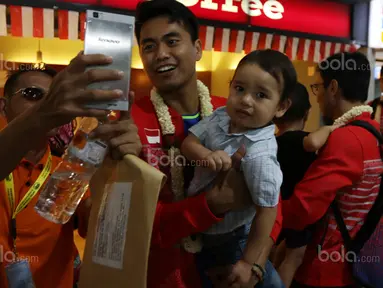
[{"x": 125, "y": 195}]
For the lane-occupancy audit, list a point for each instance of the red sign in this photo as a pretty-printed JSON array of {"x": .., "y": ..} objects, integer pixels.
[
  {"x": 88, "y": 2},
  {"x": 308, "y": 16}
]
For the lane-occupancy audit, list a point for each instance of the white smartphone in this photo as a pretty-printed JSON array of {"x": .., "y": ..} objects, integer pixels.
[{"x": 112, "y": 35}]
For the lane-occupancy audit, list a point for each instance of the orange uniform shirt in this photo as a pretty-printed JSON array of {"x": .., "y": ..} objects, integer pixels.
[{"x": 48, "y": 247}]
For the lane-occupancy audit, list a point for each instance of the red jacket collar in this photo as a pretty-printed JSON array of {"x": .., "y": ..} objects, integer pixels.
[{"x": 145, "y": 117}]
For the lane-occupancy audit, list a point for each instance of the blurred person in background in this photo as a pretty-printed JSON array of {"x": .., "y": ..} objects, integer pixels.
[
  {"x": 347, "y": 169},
  {"x": 377, "y": 103},
  {"x": 294, "y": 160}
]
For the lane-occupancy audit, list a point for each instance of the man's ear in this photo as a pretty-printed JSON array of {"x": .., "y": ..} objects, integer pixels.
[
  {"x": 198, "y": 49},
  {"x": 283, "y": 107},
  {"x": 333, "y": 87},
  {"x": 333, "y": 91}
]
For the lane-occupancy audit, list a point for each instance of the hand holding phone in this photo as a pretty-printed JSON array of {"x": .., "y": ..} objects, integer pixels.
[{"x": 112, "y": 35}]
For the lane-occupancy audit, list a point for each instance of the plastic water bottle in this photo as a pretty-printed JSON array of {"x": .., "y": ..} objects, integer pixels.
[{"x": 70, "y": 180}]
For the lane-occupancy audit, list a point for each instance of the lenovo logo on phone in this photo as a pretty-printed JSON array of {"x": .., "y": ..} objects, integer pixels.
[
  {"x": 112, "y": 35},
  {"x": 108, "y": 40}
]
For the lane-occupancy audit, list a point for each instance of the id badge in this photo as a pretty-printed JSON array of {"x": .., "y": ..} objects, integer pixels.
[{"x": 19, "y": 275}]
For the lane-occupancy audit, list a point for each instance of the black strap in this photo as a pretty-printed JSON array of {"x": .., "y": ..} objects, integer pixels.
[
  {"x": 374, "y": 215},
  {"x": 342, "y": 226},
  {"x": 372, "y": 130},
  {"x": 369, "y": 127},
  {"x": 374, "y": 105}
]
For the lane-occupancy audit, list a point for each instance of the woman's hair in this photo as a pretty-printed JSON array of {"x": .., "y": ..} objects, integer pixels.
[
  {"x": 300, "y": 105},
  {"x": 277, "y": 65}
]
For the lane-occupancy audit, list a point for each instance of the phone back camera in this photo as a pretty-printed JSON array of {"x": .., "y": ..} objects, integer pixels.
[{"x": 95, "y": 14}]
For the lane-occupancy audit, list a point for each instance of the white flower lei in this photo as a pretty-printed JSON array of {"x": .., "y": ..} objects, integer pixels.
[
  {"x": 167, "y": 128},
  {"x": 352, "y": 113}
]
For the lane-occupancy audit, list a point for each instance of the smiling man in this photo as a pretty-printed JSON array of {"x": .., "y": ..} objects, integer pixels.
[{"x": 167, "y": 33}]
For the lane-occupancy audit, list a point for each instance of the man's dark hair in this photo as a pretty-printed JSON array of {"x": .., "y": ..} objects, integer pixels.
[
  {"x": 13, "y": 77},
  {"x": 352, "y": 71},
  {"x": 174, "y": 10},
  {"x": 277, "y": 65},
  {"x": 300, "y": 105}
]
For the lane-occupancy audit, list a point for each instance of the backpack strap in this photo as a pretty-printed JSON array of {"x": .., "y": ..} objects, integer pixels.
[
  {"x": 342, "y": 226},
  {"x": 372, "y": 130},
  {"x": 374, "y": 215},
  {"x": 374, "y": 105}
]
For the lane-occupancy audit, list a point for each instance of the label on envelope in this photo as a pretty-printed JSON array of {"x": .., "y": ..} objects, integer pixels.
[{"x": 109, "y": 243}]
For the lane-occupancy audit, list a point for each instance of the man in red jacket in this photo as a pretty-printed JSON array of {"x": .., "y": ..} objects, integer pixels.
[
  {"x": 167, "y": 33},
  {"x": 347, "y": 169}
]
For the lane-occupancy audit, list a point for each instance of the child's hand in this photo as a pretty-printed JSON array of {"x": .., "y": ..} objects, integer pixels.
[
  {"x": 316, "y": 140},
  {"x": 218, "y": 161},
  {"x": 242, "y": 275}
]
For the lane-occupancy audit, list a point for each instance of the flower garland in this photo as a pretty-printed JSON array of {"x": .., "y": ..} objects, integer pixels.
[
  {"x": 352, "y": 113},
  {"x": 168, "y": 128}
]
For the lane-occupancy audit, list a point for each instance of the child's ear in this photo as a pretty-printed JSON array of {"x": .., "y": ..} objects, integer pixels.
[{"x": 283, "y": 107}]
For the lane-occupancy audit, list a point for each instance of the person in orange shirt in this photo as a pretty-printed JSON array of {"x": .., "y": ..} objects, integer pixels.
[{"x": 35, "y": 104}]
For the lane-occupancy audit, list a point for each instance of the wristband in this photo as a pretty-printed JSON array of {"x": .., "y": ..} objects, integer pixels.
[{"x": 256, "y": 269}]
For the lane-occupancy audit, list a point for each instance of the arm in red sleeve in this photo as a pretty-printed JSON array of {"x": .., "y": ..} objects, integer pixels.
[
  {"x": 339, "y": 165},
  {"x": 278, "y": 223},
  {"x": 174, "y": 221}
]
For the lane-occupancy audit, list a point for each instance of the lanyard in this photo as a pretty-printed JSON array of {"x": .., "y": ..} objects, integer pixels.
[{"x": 10, "y": 189}]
